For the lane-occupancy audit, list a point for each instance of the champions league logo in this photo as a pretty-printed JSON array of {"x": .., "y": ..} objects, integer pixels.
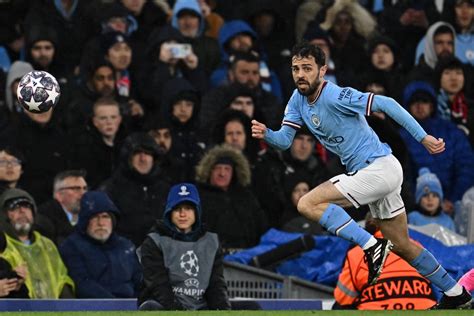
[
  {"x": 184, "y": 191},
  {"x": 189, "y": 263},
  {"x": 191, "y": 282},
  {"x": 316, "y": 121}
]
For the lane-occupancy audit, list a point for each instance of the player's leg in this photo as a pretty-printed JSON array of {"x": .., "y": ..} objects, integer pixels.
[
  {"x": 324, "y": 204},
  {"x": 396, "y": 229}
]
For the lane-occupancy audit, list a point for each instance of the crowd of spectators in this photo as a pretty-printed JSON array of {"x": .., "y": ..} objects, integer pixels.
[{"x": 139, "y": 114}]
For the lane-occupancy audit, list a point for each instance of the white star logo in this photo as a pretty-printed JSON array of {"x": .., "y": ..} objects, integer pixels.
[
  {"x": 33, "y": 105},
  {"x": 52, "y": 95}
]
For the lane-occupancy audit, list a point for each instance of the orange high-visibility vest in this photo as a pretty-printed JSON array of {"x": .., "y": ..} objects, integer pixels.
[{"x": 399, "y": 286}]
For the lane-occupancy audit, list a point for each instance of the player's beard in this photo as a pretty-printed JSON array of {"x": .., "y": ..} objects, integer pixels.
[{"x": 312, "y": 86}]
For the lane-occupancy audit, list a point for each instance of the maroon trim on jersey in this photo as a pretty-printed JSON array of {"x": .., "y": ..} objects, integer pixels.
[
  {"x": 319, "y": 93},
  {"x": 370, "y": 100},
  {"x": 291, "y": 124}
]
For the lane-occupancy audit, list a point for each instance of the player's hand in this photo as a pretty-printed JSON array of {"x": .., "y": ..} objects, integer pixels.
[
  {"x": 258, "y": 129},
  {"x": 433, "y": 145}
]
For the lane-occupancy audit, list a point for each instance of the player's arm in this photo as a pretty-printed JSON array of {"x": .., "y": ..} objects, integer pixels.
[
  {"x": 280, "y": 139},
  {"x": 402, "y": 117},
  {"x": 292, "y": 121}
]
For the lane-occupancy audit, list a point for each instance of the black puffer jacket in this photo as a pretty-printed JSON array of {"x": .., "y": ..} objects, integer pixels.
[{"x": 140, "y": 198}]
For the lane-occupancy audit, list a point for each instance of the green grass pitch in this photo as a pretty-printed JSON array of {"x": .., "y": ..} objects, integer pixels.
[{"x": 247, "y": 313}]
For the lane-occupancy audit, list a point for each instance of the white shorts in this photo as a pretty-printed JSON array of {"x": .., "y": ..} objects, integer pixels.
[{"x": 378, "y": 185}]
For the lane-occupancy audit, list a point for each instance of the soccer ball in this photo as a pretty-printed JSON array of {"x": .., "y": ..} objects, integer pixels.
[
  {"x": 38, "y": 91},
  {"x": 189, "y": 263}
]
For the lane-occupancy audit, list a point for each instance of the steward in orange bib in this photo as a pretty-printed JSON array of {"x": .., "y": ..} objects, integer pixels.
[{"x": 399, "y": 286}]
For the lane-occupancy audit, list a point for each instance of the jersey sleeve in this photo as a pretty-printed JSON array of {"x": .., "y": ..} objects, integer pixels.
[
  {"x": 292, "y": 117},
  {"x": 351, "y": 101}
]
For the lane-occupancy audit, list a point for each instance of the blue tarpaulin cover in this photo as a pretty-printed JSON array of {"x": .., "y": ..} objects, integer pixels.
[{"x": 324, "y": 263}]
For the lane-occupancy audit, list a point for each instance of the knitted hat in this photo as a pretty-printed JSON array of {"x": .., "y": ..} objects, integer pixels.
[
  {"x": 427, "y": 182},
  {"x": 109, "y": 39}
]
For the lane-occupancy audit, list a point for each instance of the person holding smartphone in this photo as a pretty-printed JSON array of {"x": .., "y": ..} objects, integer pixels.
[
  {"x": 12, "y": 281},
  {"x": 169, "y": 57}
]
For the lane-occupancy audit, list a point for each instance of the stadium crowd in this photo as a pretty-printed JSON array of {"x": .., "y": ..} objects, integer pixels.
[{"x": 83, "y": 184}]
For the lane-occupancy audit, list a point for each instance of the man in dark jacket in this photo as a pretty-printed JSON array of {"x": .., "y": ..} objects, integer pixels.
[
  {"x": 182, "y": 263},
  {"x": 172, "y": 167},
  {"x": 99, "y": 81},
  {"x": 62, "y": 210},
  {"x": 96, "y": 146},
  {"x": 224, "y": 178},
  {"x": 243, "y": 71},
  {"x": 45, "y": 148},
  {"x": 190, "y": 21},
  {"x": 137, "y": 187},
  {"x": 101, "y": 263}
]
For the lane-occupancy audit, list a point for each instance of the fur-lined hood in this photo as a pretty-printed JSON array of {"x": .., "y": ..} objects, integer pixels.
[
  {"x": 241, "y": 165},
  {"x": 364, "y": 22}
]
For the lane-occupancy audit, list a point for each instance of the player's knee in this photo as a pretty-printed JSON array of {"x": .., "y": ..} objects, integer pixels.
[
  {"x": 308, "y": 208},
  {"x": 303, "y": 206}
]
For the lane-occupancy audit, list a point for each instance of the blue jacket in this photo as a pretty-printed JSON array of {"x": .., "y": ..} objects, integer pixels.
[
  {"x": 454, "y": 167},
  {"x": 100, "y": 270},
  {"x": 189, "y": 5},
  {"x": 219, "y": 76},
  {"x": 418, "y": 219}
]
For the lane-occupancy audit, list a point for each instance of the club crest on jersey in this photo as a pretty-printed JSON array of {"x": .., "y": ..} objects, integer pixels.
[{"x": 315, "y": 119}]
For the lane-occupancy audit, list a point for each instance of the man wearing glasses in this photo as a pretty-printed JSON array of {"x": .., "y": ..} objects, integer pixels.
[
  {"x": 62, "y": 210},
  {"x": 10, "y": 167}
]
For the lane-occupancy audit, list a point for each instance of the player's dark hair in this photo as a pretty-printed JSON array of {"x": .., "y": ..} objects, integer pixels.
[{"x": 305, "y": 49}]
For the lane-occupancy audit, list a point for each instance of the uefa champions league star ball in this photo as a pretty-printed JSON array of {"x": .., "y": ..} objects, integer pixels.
[{"x": 38, "y": 91}]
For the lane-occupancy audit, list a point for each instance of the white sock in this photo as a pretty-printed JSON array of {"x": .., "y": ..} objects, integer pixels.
[
  {"x": 372, "y": 241},
  {"x": 454, "y": 291}
]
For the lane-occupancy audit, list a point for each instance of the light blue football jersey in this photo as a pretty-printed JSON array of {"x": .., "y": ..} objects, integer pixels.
[{"x": 337, "y": 119}]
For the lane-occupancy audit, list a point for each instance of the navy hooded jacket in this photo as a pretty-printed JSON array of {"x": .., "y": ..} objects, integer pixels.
[
  {"x": 454, "y": 167},
  {"x": 101, "y": 270}
]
